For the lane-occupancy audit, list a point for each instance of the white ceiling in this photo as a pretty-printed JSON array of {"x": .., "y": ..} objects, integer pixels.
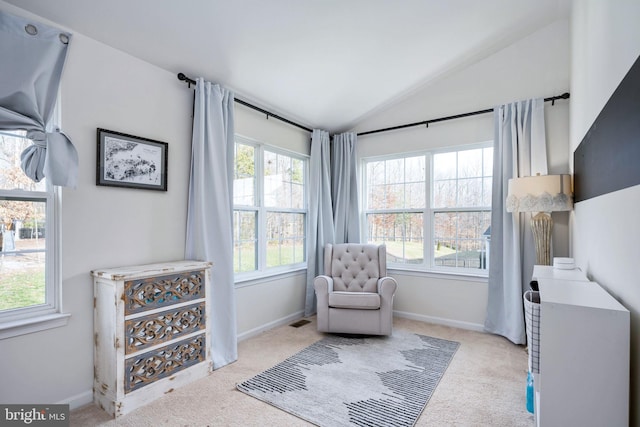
[{"x": 323, "y": 63}]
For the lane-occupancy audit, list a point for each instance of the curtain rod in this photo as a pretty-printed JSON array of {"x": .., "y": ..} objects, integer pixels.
[
  {"x": 190, "y": 82},
  {"x": 457, "y": 116}
]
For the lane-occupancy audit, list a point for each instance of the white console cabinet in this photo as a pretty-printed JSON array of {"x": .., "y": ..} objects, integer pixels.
[
  {"x": 584, "y": 353},
  {"x": 151, "y": 332}
]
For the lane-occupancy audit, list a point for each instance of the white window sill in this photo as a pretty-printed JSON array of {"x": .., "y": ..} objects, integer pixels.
[
  {"x": 439, "y": 274},
  {"x": 253, "y": 279},
  {"x": 33, "y": 324}
]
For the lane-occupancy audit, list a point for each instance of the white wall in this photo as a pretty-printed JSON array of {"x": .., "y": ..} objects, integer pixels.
[
  {"x": 535, "y": 66},
  {"x": 102, "y": 226},
  {"x": 110, "y": 227},
  {"x": 606, "y": 231}
]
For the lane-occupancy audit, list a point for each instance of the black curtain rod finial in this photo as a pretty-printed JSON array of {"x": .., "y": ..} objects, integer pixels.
[{"x": 184, "y": 78}]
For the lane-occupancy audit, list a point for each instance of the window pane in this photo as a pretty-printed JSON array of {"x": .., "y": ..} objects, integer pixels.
[
  {"x": 487, "y": 184},
  {"x": 285, "y": 238},
  {"x": 377, "y": 197},
  {"x": 415, "y": 195},
  {"x": 244, "y": 182},
  {"x": 488, "y": 161},
  {"x": 22, "y": 262},
  {"x": 402, "y": 233},
  {"x": 283, "y": 181},
  {"x": 394, "y": 171},
  {"x": 394, "y": 196},
  {"x": 469, "y": 192},
  {"x": 22, "y": 282},
  {"x": 297, "y": 171},
  {"x": 444, "y": 194},
  {"x": 244, "y": 241},
  {"x": 12, "y": 144},
  {"x": 470, "y": 163},
  {"x": 461, "y": 239},
  {"x": 468, "y": 184},
  {"x": 297, "y": 184},
  {"x": 444, "y": 166},
  {"x": 415, "y": 169},
  {"x": 396, "y": 184},
  {"x": 375, "y": 173}
]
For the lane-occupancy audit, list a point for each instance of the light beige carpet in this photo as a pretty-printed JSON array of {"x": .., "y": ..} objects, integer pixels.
[{"x": 483, "y": 386}]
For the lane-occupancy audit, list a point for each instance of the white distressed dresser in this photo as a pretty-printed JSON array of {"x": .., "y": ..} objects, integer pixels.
[{"x": 151, "y": 332}]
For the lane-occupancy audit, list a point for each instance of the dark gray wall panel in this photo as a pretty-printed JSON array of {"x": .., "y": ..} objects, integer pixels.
[{"x": 608, "y": 158}]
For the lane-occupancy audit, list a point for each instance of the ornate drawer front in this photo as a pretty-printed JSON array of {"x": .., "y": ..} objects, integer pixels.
[
  {"x": 153, "y": 329},
  {"x": 154, "y": 365},
  {"x": 160, "y": 291}
]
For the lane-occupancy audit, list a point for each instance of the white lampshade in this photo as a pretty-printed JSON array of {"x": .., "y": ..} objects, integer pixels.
[{"x": 541, "y": 193}]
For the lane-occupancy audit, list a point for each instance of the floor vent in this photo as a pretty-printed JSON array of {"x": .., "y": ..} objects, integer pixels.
[{"x": 300, "y": 323}]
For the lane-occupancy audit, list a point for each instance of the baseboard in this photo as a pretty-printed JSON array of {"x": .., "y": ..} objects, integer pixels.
[
  {"x": 278, "y": 322},
  {"x": 79, "y": 400},
  {"x": 440, "y": 321}
]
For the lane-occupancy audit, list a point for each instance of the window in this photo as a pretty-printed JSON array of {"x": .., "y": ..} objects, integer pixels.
[
  {"x": 432, "y": 210},
  {"x": 29, "y": 284},
  {"x": 269, "y": 208}
]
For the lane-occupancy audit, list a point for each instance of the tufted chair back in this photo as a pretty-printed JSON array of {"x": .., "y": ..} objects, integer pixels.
[{"x": 355, "y": 267}]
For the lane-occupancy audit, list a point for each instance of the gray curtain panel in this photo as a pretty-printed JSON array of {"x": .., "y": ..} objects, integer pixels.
[
  {"x": 344, "y": 184},
  {"x": 320, "y": 231},
  {"x": 33, "y": 56},
  {"x": 519, "y": 150},
  {"x": 210, "y": 211}
]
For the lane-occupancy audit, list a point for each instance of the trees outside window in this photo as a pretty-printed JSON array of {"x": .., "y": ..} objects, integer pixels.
[
  {"x": 432, "y": 210},
  {"x": 28, "y": 284},
  {"x": 269, "y": 208}
]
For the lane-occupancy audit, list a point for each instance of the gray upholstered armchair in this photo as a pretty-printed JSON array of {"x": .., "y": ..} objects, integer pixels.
[{"x": 354, "y": 295}]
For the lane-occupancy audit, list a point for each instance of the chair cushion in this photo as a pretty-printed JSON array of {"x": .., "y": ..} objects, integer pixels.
[{"x": 357, "y": 300}]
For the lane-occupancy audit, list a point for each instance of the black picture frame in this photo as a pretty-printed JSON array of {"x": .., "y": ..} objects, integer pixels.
[{"x": 131, "y": 161}]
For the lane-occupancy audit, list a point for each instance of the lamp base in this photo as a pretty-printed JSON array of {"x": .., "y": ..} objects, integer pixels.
[{"x": 541, "y": 225}]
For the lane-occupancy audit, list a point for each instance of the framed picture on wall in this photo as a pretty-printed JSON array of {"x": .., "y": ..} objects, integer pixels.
[{"x": 131, "y": 161}]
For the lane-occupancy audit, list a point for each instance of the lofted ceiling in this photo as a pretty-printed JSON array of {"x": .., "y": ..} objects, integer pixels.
[{"x": 323, "y": 63}]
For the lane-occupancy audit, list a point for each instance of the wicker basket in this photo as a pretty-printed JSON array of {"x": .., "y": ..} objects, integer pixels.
[{"x": 532, "y": 323}]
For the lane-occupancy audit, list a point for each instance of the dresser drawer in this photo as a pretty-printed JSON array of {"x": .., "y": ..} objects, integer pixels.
[
  {"x": 160, "y": 291},
  {"x": 146, "y": 368},
  {"x": 146, "y": 331}
]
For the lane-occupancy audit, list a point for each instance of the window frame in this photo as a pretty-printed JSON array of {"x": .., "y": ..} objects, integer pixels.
[
  {"x": 262, "y": 211},
  {"x": 428, "y": 211},
  {"x": 24, "y": 320}
]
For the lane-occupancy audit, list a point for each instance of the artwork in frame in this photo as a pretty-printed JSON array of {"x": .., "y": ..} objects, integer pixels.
[{"x": 131, "y": 161}]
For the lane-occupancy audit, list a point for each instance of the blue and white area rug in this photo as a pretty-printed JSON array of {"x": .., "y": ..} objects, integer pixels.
[{"x": 356, "y": 381}]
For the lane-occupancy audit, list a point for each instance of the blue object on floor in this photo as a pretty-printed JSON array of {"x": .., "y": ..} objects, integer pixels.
[{"x": 530, "y": 392}]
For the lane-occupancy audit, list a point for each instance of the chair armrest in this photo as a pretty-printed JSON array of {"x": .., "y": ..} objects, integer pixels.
[
  {"x": 323, "y": 284},
  {"x": 387, "y": 287}
]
